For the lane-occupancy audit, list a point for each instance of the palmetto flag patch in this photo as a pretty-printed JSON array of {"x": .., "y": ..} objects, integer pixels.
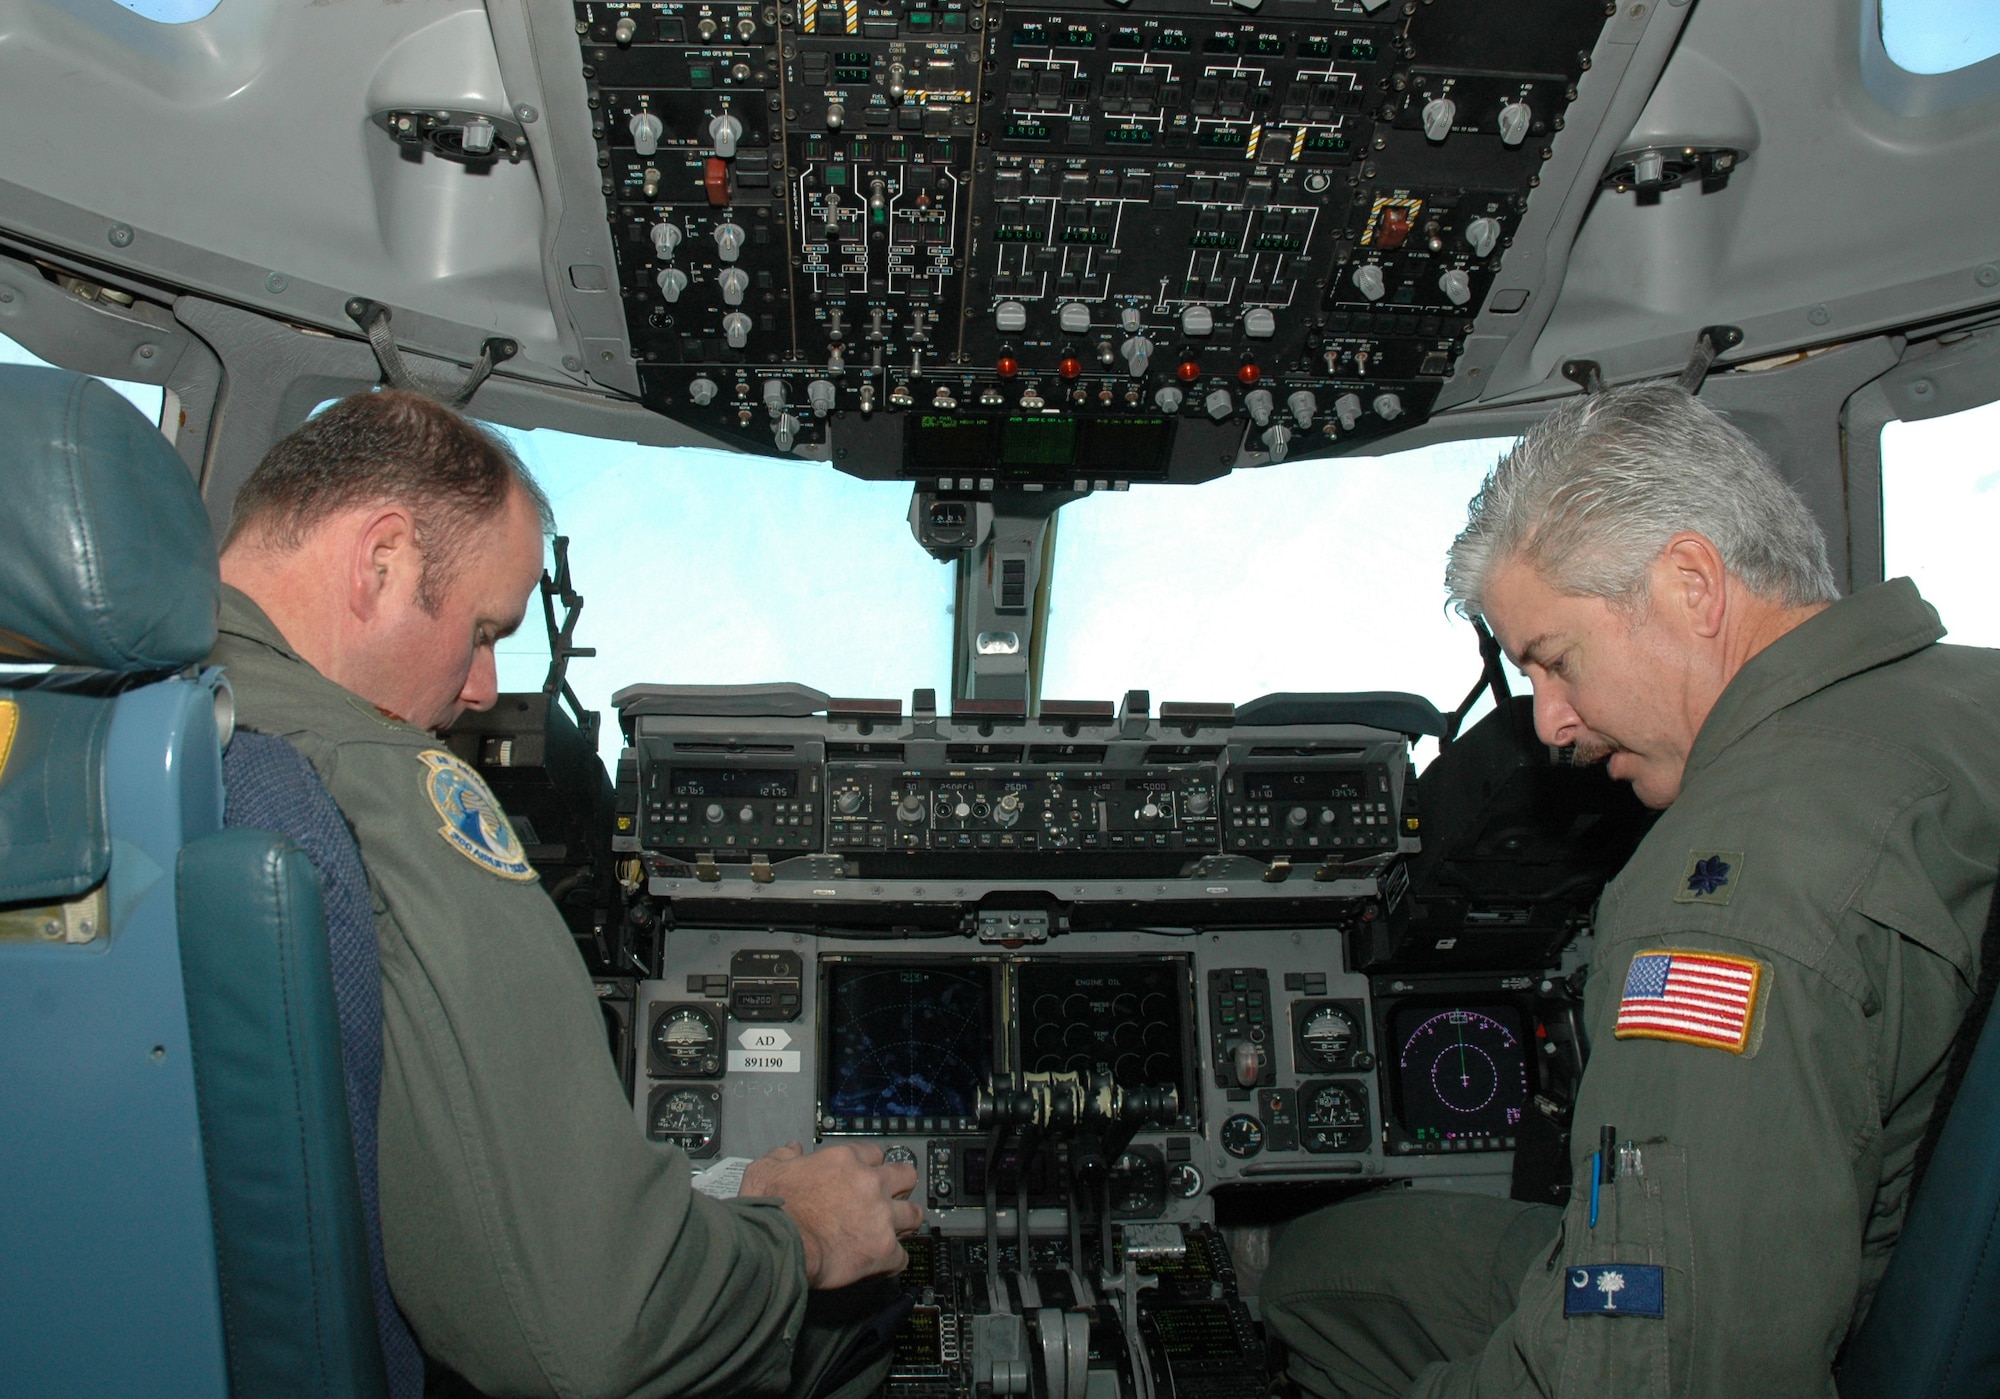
[{"x": 1615, "y": 1289}]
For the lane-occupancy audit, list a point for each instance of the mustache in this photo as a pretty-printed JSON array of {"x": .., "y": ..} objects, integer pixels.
[{"x": 1588, "y": 752}]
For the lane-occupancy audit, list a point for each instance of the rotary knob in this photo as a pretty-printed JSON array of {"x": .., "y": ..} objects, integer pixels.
[
  {"x": 1514, "y": 121},
  {"x": 666, "y": 237},
  {"x": 646, "y": 132},
  {"x": 1218, "y": 404},
  {"x": 1138, "y": 352},
  {"x": 961, "y": 808},
  {"x": 733, "y": 282},
  {"x": 1259, "y": 404},
  {"x": 672, "y": 283},
  {"x": 1151, "y": 810},
  {"x": 746, "y": 814},
  {"x": 1074, "y": 318},
  {"x": 1197, "y": 320},
  {"x": 714, "y": 813},
  {"x": 820, "y": 395},
  {"x": 1368, "y": 280},
  {"x": 848, "y": 802},
  {"x": 726, "y": 131},
  {"x": 1483, "y": 235},
  {"x": 1007, "y": 810},
  {"x": 1277, "y": 439},
  {"x": 1347, "y": 408},
  {"x": 1439, "y": 113},
  {"x": 736, "y": 330},
  {"x": 1260, "y": 323},
  {"x": 1197, "y": 802},
  {"x": 1456, "y": 286},
  {"x": 1296, "y": 817},
  {"x": 1387, "y": 406},
  {"x": 728, "y": 241},
  {"x": 703, "y": 391},
  {"x": 1168, "y": 399},
  {"x": 1009, "y": 317},
  {"x": 910, "y": 810},
  {"x": 1327, "y": 816},
  {"x": 1302, "y": 406}
]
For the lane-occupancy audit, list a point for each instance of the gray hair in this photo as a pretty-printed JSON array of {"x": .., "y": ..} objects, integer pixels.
[{"x": 1591, "y": 495}]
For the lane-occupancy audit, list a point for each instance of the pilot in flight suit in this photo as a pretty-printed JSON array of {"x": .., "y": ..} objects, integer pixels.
[
  {"x": 533, "y": 1236},
  {"x": 1828, "y": 864}
]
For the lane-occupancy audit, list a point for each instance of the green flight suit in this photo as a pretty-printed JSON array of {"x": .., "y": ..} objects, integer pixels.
[
  {"x": 1838, "y": 830},
  {"x": 537, "y": 1242}
]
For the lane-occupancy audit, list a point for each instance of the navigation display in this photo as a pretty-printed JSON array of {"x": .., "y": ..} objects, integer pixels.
[
  {"x": 1462, "y": 1072},
  {"x": 907, "y": 1044}
]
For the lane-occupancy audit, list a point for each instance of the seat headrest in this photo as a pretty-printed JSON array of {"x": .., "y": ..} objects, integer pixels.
[{"x": 106, "y": 559}]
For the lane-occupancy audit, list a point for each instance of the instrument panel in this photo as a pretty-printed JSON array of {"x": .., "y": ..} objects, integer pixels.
[{"x": 1062, "y": 244}]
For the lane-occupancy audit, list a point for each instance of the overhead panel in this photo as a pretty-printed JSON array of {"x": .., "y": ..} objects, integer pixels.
[{"x": 1048, "y": 244}]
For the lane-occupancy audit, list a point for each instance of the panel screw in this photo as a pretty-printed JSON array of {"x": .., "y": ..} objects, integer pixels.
[
  {"x": 276, "y": 283},
  {"x": 1920, "y": 388},
  {"x": 120, "y": 235},
  {"x": 1819, "y": 315},
  {"x": 1987, "y": 275},
  {"x": 526, "y": 113},
  {"x": 572, "y": 364},
  {"x": 145, "y": 352}
]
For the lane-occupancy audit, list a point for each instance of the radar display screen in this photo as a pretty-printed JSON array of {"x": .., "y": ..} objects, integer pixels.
[
  {"x": 1127, "y": 1016},
  {"x": 1463, "y": 1073},
  {"x": 735, "y": 782},
  {"x": 906, "y": 1044}
]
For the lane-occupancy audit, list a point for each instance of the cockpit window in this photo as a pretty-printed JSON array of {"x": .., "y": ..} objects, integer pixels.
[
  {"x": 1318, "y": 575},
  {"x": 1940, "y": 512},
  {"x": 1939, "y": 36},
  {"x": 171, "y": 11},
  {"x": 702, "y": 567},
  {"x": 147, "y": 398}
]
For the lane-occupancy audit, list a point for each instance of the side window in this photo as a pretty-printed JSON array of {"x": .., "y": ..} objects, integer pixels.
[
  {"x": 1941, "y": 514},
  {"x": 148, "y": 398}
]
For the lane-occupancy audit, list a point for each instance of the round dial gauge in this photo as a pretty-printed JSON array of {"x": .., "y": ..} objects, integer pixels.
[
  {"x": 1138, "y": 1184},
  {"x": 685, "y": 1039},
  {"x": 1328, "y": 1033},
  {"x": 685, "y": 1117},
  {"x": 1336, "y": 1105},
  {"x": 1242, "y": 1136}
]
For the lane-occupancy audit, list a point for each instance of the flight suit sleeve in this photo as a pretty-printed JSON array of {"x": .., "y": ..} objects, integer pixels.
[
  {"x": 536, "y": 1241},
  {"x": 1742, "y": 1196}
]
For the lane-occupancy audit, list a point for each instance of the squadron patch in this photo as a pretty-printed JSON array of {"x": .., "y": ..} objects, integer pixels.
[
  {"x": 1615, "y": 1289},
  {"x": 10, "y": 719},
  {"x": 1709, "y": 877},
  {"x": 473, "y": 824},
  {"x": 1702, "y": 998}
]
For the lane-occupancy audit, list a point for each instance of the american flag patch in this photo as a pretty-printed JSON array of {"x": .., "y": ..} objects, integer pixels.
[{"x": 1694, "y": 997}]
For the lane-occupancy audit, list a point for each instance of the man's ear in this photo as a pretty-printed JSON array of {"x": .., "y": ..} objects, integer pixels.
[
  {"x": 383, "y": 560},
  {"x": 1697, "y": 582}
]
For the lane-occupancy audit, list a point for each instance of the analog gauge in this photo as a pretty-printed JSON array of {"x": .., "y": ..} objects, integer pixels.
[
  {"x": 1333, "y": 1116},
  {"x": 685, "y": 1042},
  {"x": 900, "y": 1154},
  {"x": 1242, "y": 1136},
  {"x": 1328, "y": 1033},
  {"x": 1185, "y": 1181},
  {"x": 685, "y": 1117},
  {"x": 1138, "y": 1184}
]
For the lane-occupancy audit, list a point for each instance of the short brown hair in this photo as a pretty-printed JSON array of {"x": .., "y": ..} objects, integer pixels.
[{"x": 382, "y": 446}]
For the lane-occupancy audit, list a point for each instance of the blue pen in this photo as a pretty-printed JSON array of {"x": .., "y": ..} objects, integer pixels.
[{"x": 1595, "y": 1158}]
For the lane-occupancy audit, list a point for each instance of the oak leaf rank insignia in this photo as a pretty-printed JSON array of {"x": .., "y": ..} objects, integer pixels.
[{"x": 474, "y": 825}]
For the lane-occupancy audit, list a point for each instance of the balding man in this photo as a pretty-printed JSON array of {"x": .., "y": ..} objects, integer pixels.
[
  {"x": 1777, "y": 974},
  {"x": 536, "y": 1241}
]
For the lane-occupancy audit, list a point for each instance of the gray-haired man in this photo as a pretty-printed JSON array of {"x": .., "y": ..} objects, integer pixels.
[{"x": 1778, "y": 971}]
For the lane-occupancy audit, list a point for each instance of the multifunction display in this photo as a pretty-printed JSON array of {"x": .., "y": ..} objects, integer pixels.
[
  {"x": 1462, "y": 1075},
  {"x": 735, "y": 782},
  {"x": 907, "y": 1044}
]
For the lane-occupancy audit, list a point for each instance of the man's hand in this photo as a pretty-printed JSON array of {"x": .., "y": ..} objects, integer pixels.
[{"x": 850, "y": 1207}]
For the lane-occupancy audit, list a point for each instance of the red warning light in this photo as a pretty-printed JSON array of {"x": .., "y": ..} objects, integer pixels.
[
  {"x": 1248, "y": 374},
  {"x": 1070, "y": 368},
  {"x": 1188, "y": 372},
  {"x": 1007, "y": 367}
]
